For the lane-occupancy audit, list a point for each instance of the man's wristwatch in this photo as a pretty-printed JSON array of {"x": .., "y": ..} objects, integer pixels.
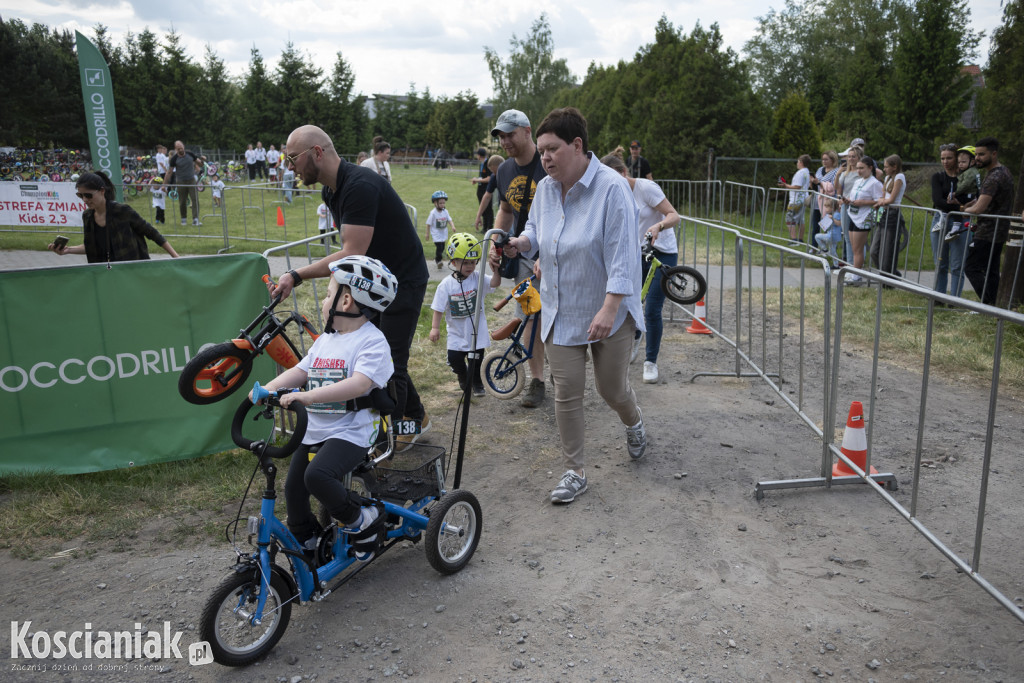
[{"x": 296, "y": 278}]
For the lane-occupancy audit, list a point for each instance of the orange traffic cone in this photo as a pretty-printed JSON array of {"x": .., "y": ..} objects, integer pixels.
[
  {"x": 855, "y": 443},
  {"x": 700, "y": 315},
  {"x": 280, "y": 217}
]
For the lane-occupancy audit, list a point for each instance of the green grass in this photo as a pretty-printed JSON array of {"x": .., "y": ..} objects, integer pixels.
[{"x": 255, "y": 228}]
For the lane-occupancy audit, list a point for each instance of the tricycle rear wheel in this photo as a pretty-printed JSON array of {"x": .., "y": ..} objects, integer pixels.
[{"x": 453, "y": 532}]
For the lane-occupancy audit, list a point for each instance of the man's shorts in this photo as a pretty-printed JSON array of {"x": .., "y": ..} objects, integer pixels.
[{"x": 795, "y": 214}]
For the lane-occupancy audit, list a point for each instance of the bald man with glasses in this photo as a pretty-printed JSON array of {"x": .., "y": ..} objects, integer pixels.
[{"x": 373, "y": 222}]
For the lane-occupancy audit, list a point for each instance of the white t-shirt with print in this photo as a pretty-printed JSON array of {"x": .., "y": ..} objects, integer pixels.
[
  {"x": 159, "y": 197},
  {"x": 456, "y": 300},
  {"x": 334, "y": 357},
  {"x": 161, "y": 163},
  {"x": 802, "y": 179},
  {"x": 648, "y": 195},
  {"x": 864, "y": 188},
  {"x": 218, "y": 188},
  {"x": 438, "y": 222}
]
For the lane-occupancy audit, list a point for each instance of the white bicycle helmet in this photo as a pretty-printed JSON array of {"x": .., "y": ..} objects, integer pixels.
[{"x": 373, "y": 286}]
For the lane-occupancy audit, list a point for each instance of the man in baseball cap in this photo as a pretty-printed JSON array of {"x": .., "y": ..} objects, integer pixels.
[
  {"x": 509, "y": 120},
  {"x": 517, "y": 179}
]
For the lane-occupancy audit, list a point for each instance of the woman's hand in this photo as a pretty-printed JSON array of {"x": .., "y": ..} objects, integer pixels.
[{"x": 601, "y": 325}]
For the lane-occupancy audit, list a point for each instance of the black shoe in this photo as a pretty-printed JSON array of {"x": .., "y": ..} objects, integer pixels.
[{"x": 478, "y": 390}]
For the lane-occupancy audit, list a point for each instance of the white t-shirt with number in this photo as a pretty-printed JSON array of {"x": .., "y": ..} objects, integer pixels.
[
  {"x": 456, "y": 300},
  {"x": 334, "y": 357},
  {"x": 438, "y": 222}
]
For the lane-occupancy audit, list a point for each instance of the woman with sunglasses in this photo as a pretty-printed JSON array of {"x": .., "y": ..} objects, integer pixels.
[{"x": 113, "y": 232}]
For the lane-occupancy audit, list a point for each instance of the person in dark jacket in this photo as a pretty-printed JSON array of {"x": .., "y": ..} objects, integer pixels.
[{"x": 112, "y": 231}]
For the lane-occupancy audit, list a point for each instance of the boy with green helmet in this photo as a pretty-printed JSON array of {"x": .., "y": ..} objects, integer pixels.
[{"x": 455, "y": 300}]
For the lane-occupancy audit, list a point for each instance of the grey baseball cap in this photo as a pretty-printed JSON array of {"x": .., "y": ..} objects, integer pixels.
[{"x": 509, "y": 120}]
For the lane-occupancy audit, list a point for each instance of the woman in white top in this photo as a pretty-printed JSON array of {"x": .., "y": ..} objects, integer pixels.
[
  {"x": 891, "y": 231},
  {"x": 864, "y": 192},
  {"x": 657, "y": 218},
  {"x": 845, "y": 180},
  {"x": 379, "y": 161}
]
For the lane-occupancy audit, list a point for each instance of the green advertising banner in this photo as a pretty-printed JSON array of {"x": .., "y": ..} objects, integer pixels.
[
  {"x": 90, "y": 359},
  {"x": 100, "y": 119}
]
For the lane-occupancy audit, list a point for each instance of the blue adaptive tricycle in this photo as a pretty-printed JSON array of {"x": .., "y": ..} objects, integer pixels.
[{"x": 249, "y": 612}]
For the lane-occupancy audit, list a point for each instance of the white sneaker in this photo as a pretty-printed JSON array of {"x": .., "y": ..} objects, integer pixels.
[{"x": 650, "y": 372}]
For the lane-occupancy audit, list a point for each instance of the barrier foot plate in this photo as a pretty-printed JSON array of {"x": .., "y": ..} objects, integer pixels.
[{"x": 887, "y": 479}]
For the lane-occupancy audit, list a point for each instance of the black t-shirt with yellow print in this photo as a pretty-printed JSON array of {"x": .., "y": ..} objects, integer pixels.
[{"x": 512, "y": 186}]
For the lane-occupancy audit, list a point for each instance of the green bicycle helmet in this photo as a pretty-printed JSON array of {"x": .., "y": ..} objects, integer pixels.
[
  {"x": 463, "y": 246},
  {"x": 440, "y": 194}
]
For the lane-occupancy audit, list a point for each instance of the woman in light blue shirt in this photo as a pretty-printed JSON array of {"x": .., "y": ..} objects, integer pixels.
[{"x": 583, "y": 223}]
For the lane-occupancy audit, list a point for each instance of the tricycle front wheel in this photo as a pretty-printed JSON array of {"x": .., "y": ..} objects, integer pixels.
[
  {"x": 227, "y": 619},
  {"x": 453, "y": 531}
]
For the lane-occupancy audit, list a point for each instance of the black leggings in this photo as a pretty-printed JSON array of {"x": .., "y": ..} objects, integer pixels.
[
  {"x": 460, "y": 366},
  {"x": 323, "y": 477},
  {"x": 439, "y": 251}
]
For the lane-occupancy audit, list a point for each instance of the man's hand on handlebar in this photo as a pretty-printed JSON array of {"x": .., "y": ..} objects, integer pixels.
[{"x": 285, "y": 285}]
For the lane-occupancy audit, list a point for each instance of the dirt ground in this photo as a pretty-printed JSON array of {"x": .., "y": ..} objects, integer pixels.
[{"x": 667, "y": 569}]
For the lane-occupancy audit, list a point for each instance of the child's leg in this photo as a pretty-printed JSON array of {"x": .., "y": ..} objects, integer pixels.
[
  {"x": 439, "y": 252},
  {"x": 324, "y": 478},
  {"x": 478, "y": 378},
  {"x": 301, "y": 521},
  {"x": 457, "y": 361}
]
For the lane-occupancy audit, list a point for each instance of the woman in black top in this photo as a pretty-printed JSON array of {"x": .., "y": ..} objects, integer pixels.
[
  {"x": 949, "y": 256},
  {"x": 112, "y": 231}
]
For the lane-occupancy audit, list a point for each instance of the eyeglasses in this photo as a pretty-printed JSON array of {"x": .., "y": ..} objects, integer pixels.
[
  {"x": 289, "y": 159},
  {"x": 84, "y": 195}
]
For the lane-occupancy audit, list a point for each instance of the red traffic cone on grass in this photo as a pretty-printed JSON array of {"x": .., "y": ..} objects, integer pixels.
[
  {"x": 280, "y": 217},
  {"x": 699, "y": 316},
  {"x": 855, "y": 443}
]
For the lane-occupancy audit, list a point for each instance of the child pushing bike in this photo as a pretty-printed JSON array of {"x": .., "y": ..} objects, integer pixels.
[{"x": 455, "y": 301}]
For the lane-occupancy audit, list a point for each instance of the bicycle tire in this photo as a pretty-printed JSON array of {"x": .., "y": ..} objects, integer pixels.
[
  {"x": 501, "y": 378},
  {"x": 201, "y": 381},
  {"x": 233, "y": 640},
  {"x": 683, "y": 284},
  {"x": 449, "y": 552}
]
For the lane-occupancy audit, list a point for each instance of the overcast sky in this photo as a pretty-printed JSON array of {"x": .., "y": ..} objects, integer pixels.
[{"x": 435, "y": 44}]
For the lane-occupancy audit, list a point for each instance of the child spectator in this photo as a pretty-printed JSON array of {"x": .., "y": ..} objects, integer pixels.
[
  {"x": 159, "y": 199},
  {"x": 342, "y": 367},
  {"x": 455, "y": 299},
  {"x": 289, "y": 183},
  {"x": 968, "y": 186},
  {"x": 797, "y": 198},
  {"x": 217, "y": 188},
  {"x": 492, "y": 185},
  {"x": 831, "y": 225},
  {"x": 273, "y": 156},
  {"x": 325, "y": 223},
  {"x": 438, "y": 222}
]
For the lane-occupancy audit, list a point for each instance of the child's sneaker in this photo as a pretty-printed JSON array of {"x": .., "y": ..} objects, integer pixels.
[
  {"x": 955, "y": 232},
  {"x": 364, "y": 544}
]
